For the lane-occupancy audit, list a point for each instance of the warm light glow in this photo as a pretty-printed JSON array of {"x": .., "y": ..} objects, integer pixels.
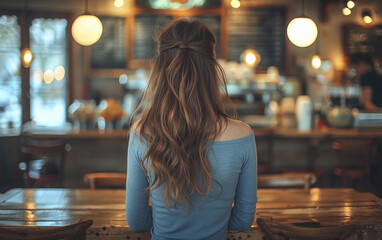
[
  {"x": 26, "y": 57},
  {"x": 251, "y": 57},
  {"x": 118, "y": 3},
  {"x": 367, "y": 19},
  {"x": 350, "y": 4},
  {"x": 59, "y": 73},
  {"x": 302, "y": 31},
  {"x": 366, "y": 16},
  {"x": 38, "y": 75},
  {"x": 346, "y": 11},
  {"x": 316, "y": 61},
  {"x": 87, "y": 29},
  {"x": 235, "y": 3},
  {"x": 48, "y": 76}
]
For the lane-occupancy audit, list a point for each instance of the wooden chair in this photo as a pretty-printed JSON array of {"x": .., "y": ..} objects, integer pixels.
[
  {"x": 349, "y": 174},
  {"x": 105, "y": 180},
  {"x": 284, "y": 180},
  {"x": 42, "y": 161},
  {"x": 311, "y": 231},
  {"x": 76, "y": 231}
]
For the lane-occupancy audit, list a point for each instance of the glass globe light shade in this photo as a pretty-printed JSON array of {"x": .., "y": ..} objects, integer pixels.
[
  {"x": 235, "y": 3},
  {"x": 87, "y": 29},
  {"x": 316, "y": 61},
  {"x": 367, "y": 19},
  {"x": 26, "y": 57},
  {"x": 118, "y": 3},
  {"x": 346, "y": 11},
  {"x": 350, "y": 4},
  {"x": 302, "y": 31}
]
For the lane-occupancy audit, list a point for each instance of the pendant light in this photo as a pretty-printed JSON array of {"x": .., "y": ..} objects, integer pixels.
[
  {"x": 316, "y": 61},
  {"x": 350, "y": 4},
  {"x": 26, "y": 57},
  {"x": 87, "y": 28},
  {"x": 251, "y": 57},
  {"x": 235, "y": 3},
  {"x": 346, "y": 11},
  {"x": 118, "y": 3},
  {"x": 302, "y": 31},
  {"x": 366, "y": 16}
]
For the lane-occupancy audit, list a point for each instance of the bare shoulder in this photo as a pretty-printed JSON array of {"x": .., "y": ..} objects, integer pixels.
[{"x": 234, "y": 129}]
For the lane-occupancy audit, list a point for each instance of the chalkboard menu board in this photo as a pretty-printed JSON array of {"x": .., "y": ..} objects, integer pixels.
[
  {"x": 260, "y": 28},
  {"x": 146, "y": 29},
  {"x": 360, "y": 39},
  {"x": 110, "y": 50}
]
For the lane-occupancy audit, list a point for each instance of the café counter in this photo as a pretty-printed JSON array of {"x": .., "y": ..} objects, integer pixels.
[{"x": 100, "y": 151}]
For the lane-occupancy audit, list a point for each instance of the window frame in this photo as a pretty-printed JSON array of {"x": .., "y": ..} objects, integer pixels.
[{"x": 25, "y": 19}]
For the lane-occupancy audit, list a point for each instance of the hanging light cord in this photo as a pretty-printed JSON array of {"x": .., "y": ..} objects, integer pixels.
[
  {"x": 303, "y": 7},
  {"x": 86, "y": 7}
]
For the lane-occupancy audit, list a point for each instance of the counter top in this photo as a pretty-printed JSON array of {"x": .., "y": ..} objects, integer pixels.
[
  {"x": 259, "y": 132},
  {"x": 327, "y": 132}
]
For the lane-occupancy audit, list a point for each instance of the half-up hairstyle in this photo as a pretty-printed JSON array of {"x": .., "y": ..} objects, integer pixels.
[{"x": 183, "y": 112}]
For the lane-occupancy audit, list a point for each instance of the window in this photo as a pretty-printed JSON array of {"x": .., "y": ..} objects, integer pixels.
[
  {"x": 10, "y": 81},
  {"x": 48, "y": 75}
]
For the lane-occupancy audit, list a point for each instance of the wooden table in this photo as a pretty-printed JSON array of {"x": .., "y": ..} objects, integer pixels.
[{"x": 47, "y": 207}]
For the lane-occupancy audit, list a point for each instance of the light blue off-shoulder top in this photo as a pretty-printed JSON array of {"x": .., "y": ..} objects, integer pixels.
[{"x": 234, "y": 166}]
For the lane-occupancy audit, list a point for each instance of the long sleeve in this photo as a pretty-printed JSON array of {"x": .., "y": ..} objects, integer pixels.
[
  {"x": 244, "y": 209},
  {"x": 138, "y": 212}
]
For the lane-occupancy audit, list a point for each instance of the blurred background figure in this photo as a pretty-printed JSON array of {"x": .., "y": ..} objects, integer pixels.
[{"x": 370, "y": 80}]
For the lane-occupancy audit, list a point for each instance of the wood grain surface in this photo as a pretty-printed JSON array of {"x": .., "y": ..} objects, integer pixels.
[{"x": 22, "y": 208}]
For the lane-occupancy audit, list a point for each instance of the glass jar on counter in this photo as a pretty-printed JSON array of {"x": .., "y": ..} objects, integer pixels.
[
  {"x": 353, "y": 96},
  {"x": 337, "y": 95},
  {"x": 83, "y": 113}
]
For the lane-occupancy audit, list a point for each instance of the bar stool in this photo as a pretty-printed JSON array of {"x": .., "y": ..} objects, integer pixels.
[
  {"x": 349, "y": 174},
  {"x": 42, "y": 161}
]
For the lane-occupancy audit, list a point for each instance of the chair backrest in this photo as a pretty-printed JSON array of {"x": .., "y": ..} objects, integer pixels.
[
  {"x": 274, "y": 230},
  {"x": 36, "y": 148},
  {"x": 296, "y": 180},
  {"x": 105, "y": 180},
  {"x": 76, "y": 231}
]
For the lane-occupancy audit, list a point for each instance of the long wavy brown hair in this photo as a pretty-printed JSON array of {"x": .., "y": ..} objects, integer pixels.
[{"x": 183, "y": 112}]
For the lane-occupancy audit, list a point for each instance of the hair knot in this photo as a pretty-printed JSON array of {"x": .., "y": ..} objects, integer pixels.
[{"x": 183, "y": 45}]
